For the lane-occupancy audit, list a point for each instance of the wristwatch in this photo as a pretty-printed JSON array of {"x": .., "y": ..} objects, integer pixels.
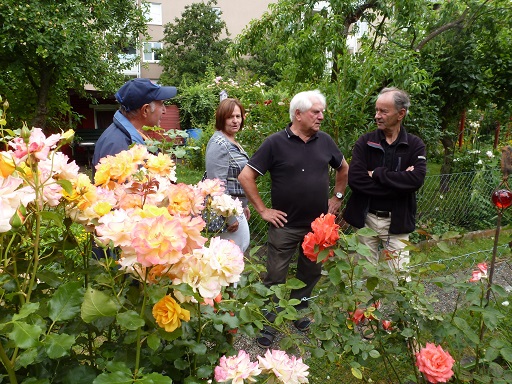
[{"x": 339, "y": 195}]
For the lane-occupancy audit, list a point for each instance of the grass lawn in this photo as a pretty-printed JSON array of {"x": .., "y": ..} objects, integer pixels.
[
  {"x": 469, "y": 245},
  {"x": 188, "y": 175},
  {"x": 433, "y": 169}
]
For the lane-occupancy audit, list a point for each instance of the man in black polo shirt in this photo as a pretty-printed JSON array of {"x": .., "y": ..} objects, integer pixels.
[{"x": 298, "y": 159}]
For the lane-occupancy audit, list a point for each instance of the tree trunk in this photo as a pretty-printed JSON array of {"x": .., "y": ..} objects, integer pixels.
[
  {"x": 497, "y": 135},
  {"x": 462, "y": 124},
  {"x": 446, "y": 167},
  {"x": 43, "y": 90}
]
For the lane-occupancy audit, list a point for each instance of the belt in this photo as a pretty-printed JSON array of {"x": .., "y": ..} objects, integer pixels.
[{"x": 380, "y": 213}]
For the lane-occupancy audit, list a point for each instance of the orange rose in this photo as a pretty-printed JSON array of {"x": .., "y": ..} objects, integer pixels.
[
  {"x": 168, "y": 314},
  {"x": 435, "y": 363},
  {"x": 308, "y": 246},
  {"x": 325, "y": 235}
]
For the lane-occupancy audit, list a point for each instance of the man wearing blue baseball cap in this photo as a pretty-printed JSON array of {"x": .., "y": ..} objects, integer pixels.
[{"x": 141, "y": 104}]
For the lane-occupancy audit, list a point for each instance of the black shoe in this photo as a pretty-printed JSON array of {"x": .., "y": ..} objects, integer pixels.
[
  {"x": 266, "y": 338},
  {"x": 302, "y": 324}
]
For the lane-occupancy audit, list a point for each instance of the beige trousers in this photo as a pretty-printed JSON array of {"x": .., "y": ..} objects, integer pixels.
[{"x": 385, "y": 246}]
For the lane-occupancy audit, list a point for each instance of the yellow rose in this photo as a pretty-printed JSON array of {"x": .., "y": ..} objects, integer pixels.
[
  {"x": 67, "y": 137},
  {"x": 168, "y": 314},
  {"x": 7, "y": 165},
  {"x": 102, "y": 208}
]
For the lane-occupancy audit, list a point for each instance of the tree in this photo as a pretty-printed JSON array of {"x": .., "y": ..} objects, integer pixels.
[
  {"x": 50, "y": 47},
  {"x": 470, "y": 60},
  {"x": 193, "y": 43},
  {"x": 444, "y": 54},
  {"x": 311, "y": 46}
]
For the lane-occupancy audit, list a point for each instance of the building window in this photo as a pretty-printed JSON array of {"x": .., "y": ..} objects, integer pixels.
[
  {"x": 152, "y": 52},
  {"x": 154, "y": 15},
  {"x": 217, "y": 10}
]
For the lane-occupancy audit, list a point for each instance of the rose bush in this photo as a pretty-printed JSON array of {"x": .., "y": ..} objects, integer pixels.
[
  {"x": 115, "y": 279},
  {"x": 380, "y": 312},
  {"x": 120, "y": 314},
  {"x": 156, "y": 302}
]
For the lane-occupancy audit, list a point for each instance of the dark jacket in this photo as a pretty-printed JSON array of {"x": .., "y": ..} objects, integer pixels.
[
  {"x": 115, "y": 139},
  {"x": 396, "y": 184}
]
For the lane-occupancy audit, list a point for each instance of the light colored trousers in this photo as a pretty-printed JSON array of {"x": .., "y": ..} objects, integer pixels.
[
  {"x": 242, "y": 236},
  {"x": 392, "y": 244}
]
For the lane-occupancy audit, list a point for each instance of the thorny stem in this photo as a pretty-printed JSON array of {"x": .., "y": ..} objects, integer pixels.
[
  {"x": 139, "y": 330},
  {"x": 494, "y": 252},
  {"x": 8, "y": 366},
  {"x": 386, "y": 360}
]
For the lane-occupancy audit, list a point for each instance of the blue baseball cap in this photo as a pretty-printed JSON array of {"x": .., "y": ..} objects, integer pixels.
[{"x": 137, "y": 92}]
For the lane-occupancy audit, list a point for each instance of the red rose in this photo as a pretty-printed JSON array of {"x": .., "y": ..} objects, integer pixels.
[
  {"x": 386, "y": 325},
  {"x": 357, "y": 316}
]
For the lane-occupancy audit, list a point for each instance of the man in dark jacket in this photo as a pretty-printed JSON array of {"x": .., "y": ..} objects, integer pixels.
[
  {"x": 388, "y": 166},
  {"x": 141, "y": 104}
]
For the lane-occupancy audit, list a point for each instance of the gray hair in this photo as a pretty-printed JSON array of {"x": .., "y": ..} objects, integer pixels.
[
  {"x": 132, "y": 113},
  {"x": 303, "y": 101},
  {"x": 400, "y": 97}
]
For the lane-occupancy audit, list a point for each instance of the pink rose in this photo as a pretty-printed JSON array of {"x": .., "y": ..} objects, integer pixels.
[
  {"x": 435, "y": 363},
  {"x": 480, "y": 273}
]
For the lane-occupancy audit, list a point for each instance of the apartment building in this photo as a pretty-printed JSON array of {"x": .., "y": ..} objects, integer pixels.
[{"x": 236, "y": 13}]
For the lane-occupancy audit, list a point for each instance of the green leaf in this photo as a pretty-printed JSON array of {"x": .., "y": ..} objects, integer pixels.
[
  {"x": 374, "y": 353},
  {"x": 507, "y": 353},
  {"x": 318, "y": 353},
  {"x": 335, "y": 275},
  {"x": 443, "y": 246},
  {"x": 294, "y": 284},
  {"x": 58, "y": 345},
  {"x": 491, "y": 354},
  {"x": 499, "y": 290},
  {"x": 97, "y": 304},
  {"x": 357, "y": 373},
  {"x": 198, "y": 348},
  {"x": 25, "y": 335},
  {"x": 66, "y": 185},
  {"x": 436, "y": 267},
  {"x": 371, "y": 283},
  {"x": 130, "y": 320},
  {"x": 83, "y": 374},
  {"x": 181, "y": 364},
  {"x": 466, "y": 329},
  {"x": 65, "y": 303},
  {"x": 26, "y": 310},
  {"x": 118, "y": 366},
  {"x": 407, "y": 332},
  {"x": 26, "y": 358},
  {"x": 153, "y": 341},
  {"x": 52, "y": 216},
  {"x": 491, "y": 318},
  {"x": 231, "y": 321},
  {"x": 366, "y": 232},
  {"x": 155, "y": 378},
  {"x": 114, "y": 378}
]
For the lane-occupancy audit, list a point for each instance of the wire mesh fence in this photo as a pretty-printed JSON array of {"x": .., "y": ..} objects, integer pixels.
[{"x": 451, "y": 202}]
